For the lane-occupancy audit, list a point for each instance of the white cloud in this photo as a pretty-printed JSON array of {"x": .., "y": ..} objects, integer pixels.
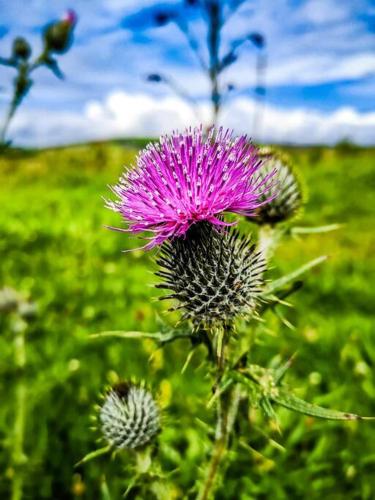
[{"x": 121, "y": 114}]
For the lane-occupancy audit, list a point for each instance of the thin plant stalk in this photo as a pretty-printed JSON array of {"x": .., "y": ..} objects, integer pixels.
[
  {"x": 227, "y": 409},
  {"x": 19, "y": 458}
]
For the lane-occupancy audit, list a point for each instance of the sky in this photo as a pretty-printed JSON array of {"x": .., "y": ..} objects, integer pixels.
[{"x": 320, "y": 77}]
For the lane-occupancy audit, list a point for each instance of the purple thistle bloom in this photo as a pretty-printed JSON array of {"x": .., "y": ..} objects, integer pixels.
[{"x": 187, "y": 178}]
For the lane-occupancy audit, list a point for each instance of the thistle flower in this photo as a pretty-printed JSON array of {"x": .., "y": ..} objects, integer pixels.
[
  {"x": 129, "y": 416},
  {"x": 215, "y": 275},
  {"x": 289, "y": 199},
  {"x": 187, "y": 178}
]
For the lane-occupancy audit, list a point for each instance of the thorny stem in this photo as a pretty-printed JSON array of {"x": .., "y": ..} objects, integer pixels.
[
  {"x": 227, "y": 407},
  {"x": 19, "y": 458}
]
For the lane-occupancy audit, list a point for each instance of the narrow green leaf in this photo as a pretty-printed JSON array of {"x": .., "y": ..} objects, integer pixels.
[
  {"x": 161, "y": 337},
  {"x": 104, "y": 490},
  {"x": 266, "y": 406},
  {"x": 126, "y": 335},
  {"x": 292, "y": 402},
  {"x": 94, "y": 454},
  {"x": 315, "y": 230},
  {"x": 279, "y": 298},
  {"x": 281, "y": 370},
  {"x": 281, "y": 282}
]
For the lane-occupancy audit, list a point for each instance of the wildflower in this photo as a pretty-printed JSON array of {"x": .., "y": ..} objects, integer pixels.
[
  {"x": 129, "y": 416},
  {"x": 214, "y": 275},
  {"x": 188, "y": 178},
  {"x": 289, "y": 199}
]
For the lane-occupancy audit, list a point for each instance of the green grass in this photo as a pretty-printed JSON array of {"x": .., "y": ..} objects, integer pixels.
[{"x": 55, "y": 250}]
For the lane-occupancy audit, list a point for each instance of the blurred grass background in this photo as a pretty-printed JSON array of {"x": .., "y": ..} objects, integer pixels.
[{"x": 55, "y": 250}]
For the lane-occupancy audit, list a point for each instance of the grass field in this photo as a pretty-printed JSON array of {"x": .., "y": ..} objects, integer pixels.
[{"x": 55, "y": 250}]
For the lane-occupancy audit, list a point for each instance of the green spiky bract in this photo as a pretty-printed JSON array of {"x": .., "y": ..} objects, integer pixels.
[
  {"x": 129, "y": 416},
  {"x": 215, "y": 275},
  {"x": 290, "y": 197}
]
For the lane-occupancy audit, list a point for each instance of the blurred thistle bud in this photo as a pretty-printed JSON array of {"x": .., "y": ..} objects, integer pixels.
[
  {"x": 257, "y": 39},
  {"x": 215, "y": 274},
  {"x": 21, "y": 49},
  {"x": 260, "y": 90},
  {"x": 155, "y": 78},
  {"x": 289, "y": 200},
  {"x": 129, "y": 416},
  {"x": 162, "y": 18},
  {"x": 58, "y": 36}
]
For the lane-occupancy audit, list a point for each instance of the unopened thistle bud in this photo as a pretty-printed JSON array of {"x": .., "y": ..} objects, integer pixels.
[
  {"x": 129, "y": 416},
  {"x": 58, "y": 36},
  {"x": 289, "y": 199},
  {"x": 21, "y": 48},
  {"x": 214, "y": 274}
]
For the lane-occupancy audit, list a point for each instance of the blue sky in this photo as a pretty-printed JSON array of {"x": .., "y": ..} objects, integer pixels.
[{"x": 320, "y": 76}]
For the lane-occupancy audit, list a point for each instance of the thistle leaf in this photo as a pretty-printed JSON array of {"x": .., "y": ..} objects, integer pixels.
[
  {"x": 315, "y": 230},
  {"x": 162, "y": 337},
  {"x": 94, "y": 454},
  {"x": 284, "y": 280},
  {"x": 262, "y": 384},
  {"x": 281, "y": 370},
  {"x": 292, "y": 402}
]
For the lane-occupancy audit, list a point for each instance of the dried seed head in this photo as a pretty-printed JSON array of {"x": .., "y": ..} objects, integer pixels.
[
  {"x": 129, "y": 416},
  {"x": 289, "y": 199},
  {"x": 215, "y": 275}
]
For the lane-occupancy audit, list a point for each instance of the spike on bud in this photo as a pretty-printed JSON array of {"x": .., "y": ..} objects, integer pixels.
[{"x": 129, "y": 416}]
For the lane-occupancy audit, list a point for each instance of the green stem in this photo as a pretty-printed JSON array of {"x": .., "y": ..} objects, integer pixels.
[
  {"x": 268, "y": 239},
  {"x": 8, "y": 118},
  {"x": 227, "y": 408},
  {"x": 19, "y": 458}
]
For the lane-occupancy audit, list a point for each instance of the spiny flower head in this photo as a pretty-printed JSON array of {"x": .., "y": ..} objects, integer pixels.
[
  {"x": 289, "y": 199},
  {"x": 187, "y": 178},
  {"x": 214, "y": 274},
  {"x": 129, "y": 416}
]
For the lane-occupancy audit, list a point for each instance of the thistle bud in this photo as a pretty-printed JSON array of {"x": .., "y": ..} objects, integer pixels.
[
  {"x": 129, "y": 416},
  {"x": 162, "y": 18},
  {"x": 21, "y": 49},
  {"x": 215, "y": 275},
  {"x": 58, "y": 36},
  {"x": 289, "y": 199}
]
